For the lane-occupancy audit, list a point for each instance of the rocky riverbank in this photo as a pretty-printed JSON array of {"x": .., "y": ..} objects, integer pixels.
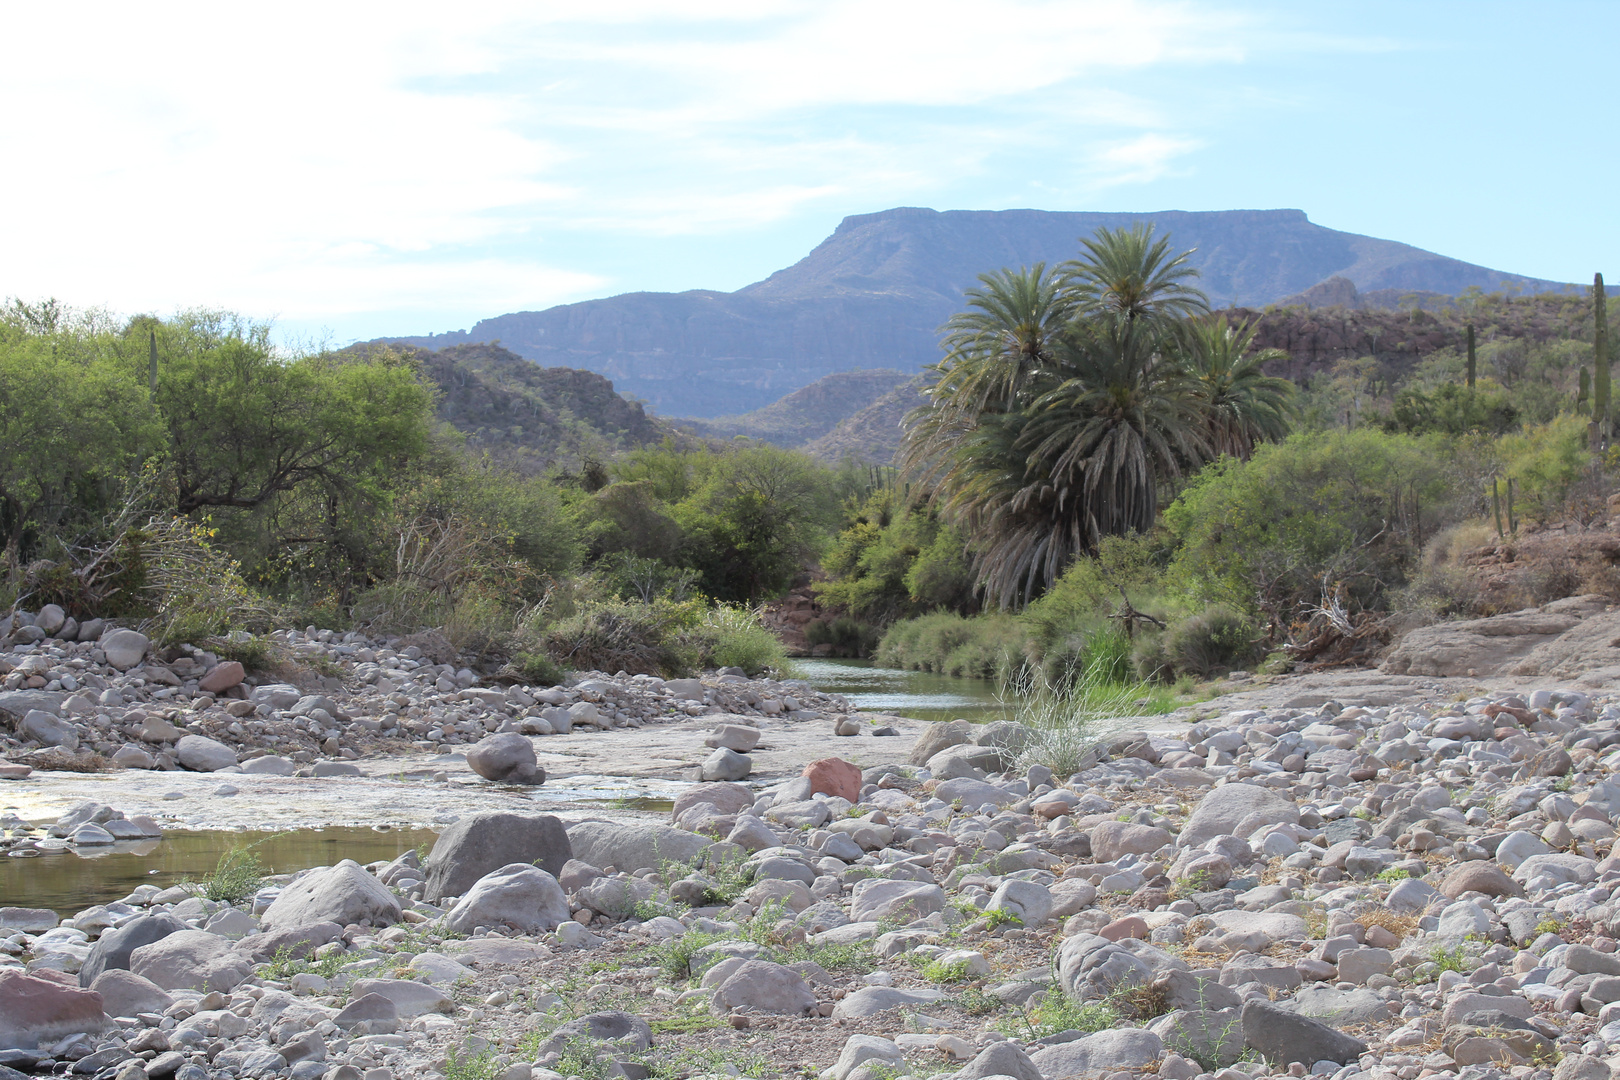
[{"x": 1400, "y": 890}]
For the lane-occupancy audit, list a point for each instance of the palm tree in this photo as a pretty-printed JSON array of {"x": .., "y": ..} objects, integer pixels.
[
  {"x": 1125, "y": 416},
  {"x": 1241, "y": 405},
  {"x": 1004, "y": 337},
  {"x": 1129, "y": 274}
]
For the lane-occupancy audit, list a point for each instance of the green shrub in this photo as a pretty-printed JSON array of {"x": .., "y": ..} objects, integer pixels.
[
  {"x": 1219, "y": 639},
  {"x": 538, "y": 669},
  {"x": 620, "y": 636},
  {"x": 731, "y": 635},
  {"x": 988, "y": 646},
  {"x": 847, "y": 635}
]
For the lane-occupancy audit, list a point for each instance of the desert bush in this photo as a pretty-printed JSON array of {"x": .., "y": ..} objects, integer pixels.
[
  {"x": 1218, "y": 639},
  {"x": 847, "y": 635},
  {"x": 642, "y": 639},
  {"x": 944, "y": 641},
  {"x": 731, "y": 635}
]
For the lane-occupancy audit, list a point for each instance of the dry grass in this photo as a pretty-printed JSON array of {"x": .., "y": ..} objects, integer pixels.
[
  {"x": 1402, "y": 926},
  {"x": 55, "y": 759}
]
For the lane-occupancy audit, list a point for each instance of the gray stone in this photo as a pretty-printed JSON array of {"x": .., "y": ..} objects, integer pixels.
[
  {"x": 1125, "y": 1049},
  {"x": 1339, "y": 1007},
  {"x": 47, "y": 730},
  {"x": 634, "y": 847},
  {"x": 1000, "y": 1059},
  {"x": 1029, "y": 901},
  {"x": 506, "y": 758},
  {"x": 519, "y": 896},
  {"x": 202, "y": 754},
  {"x": 409, "y": 998},
  {"x": 726, "y": 764},
  {"x": 343, "y": 894},
  {"x": 1213, "y": 1038},
  {"x": 965, "y": 760},
  {"x": 876, "y": 899},
  {"x": 124, "y": 993},
  {"x": 191, "y": 960},
  {"x": 269, "y": 765},
  {"x": 374, "y": 1010},
  {"x": 860, "y": 1049},
  {"x": 868, "y": 1001},
  {"x": 612, "y": 1030},
  {"x": 481, "y": 843},
  {"x": 937, "y": 737},
  {"x": 50, "y": 619},
  {"x": 974, "y": 792},
  {"x": 1284, "y": 1037},
  {"x": 124, "y": 648},
  {"x": 761, "y": 986},
  {"x": 1236, "y": 810},
  {"x": 1111, "y": 839},
  {"x": 112, "y": 949},
  {"x": 29, "y": 920},
  {"x": 739, "y": 737}
]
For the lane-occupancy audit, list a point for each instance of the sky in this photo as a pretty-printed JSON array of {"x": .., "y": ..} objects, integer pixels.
[{"x": 357, "y": 170}]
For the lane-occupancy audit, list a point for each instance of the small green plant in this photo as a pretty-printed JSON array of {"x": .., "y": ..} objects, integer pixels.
[
  {"x": 1448, "y": 959},
  {"x": 1550, "y": 926},
  {"x": 538, "y": 669},
  {"x": 1392, "y": 874},
  {"x": 938, "y": 971},
  {"x": 237, "y": 875},
  {"x": 480, "y": 1066},
  {"x": 1055, "y": 1013},
  {"x": 996, "y": 919},
  {"x": 283, "y": 965},
  {"x": 975, "y": 1002}
]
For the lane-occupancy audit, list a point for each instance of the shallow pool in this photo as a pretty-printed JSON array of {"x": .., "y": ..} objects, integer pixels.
[
  {"x": 68, "y": 881},
  {"x": 918, "y": 694}
]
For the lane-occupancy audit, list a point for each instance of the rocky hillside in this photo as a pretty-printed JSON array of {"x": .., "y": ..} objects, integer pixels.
[
  {"x": 872, "y": 434},
  {"x": 529, "y": 416},
  {"x": 809, "y": 412},
  {"x": 1317, "y": 333},
  {"x": 873, "y": 294}
]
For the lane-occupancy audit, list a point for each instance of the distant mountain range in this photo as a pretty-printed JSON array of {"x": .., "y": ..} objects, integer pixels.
[{"x": 873, "y": 294}]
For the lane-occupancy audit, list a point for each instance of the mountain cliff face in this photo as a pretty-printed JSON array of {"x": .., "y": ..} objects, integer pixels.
[{"x": 874, "y": 293}]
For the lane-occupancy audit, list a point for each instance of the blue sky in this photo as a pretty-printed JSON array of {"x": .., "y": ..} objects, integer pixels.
[{"x": 358, "y": 170}]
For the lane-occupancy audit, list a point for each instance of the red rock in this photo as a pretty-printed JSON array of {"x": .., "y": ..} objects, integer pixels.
[
  {"x": 46, "y": 1005},
  {"x": 222, "y": 677},
  {"x": 835, "y": 777},
  {"x": 1131, "y": 926}
]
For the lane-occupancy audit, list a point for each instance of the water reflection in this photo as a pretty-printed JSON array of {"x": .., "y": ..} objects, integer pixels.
[
  {"x": 67, "y": 882},
  {"x": 918, "y": 694}
]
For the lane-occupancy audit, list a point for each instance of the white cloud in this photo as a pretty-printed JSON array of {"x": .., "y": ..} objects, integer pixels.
[{"x": 321, "y": 160}]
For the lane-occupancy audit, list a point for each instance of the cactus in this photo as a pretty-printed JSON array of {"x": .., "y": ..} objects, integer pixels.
[
  {"x": 1471, "y": 365},
  {"x": 1600, "y": 359},
  {"x": 1583, "y": 397}
]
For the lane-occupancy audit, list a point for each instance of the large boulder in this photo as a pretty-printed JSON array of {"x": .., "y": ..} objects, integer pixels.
[
  {"x": 1521, "y": 642},
  {"x": 1236, "y": 810},
  {"x": 634, "y": 847},
  {"x": 1111, "y": 839},
  {"x": 342, "y": 894},
  {"x": 876, "y": 899},
  {"x": 112, "y": 949},
  {"x": 479, "y": 844},
  {"x": 124, "y": 648},
  {"x": 609, "y": 1030},
  {"x": 507, "y": 758},
  {"x": 761, "y": 986},
  {"x": 202, "y": 754},
  {"x": 519, "y": 896},
  {"x": 1283, "y": 1037},
  {"x": 1126, "y": 1049},
  {"x": 711, "y": 807},
  {"x": 192, "y": 960},
  {"x": 937, "y": 737},
  {"x": 725, "y": 765},
  {"x": 48, "y": 730},
  {"x": 124, "y": 993},
  {"x": 835, "y": 778},
  {"x": 410, "y": 998},
  {"x": 46, "y": 1005}
]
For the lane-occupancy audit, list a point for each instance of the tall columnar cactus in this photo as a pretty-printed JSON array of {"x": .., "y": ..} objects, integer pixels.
[
  {"x": 1600, "y": 359},
  {"x": 1583, "y": 398},
  {"x": 1471, "y": 365}
]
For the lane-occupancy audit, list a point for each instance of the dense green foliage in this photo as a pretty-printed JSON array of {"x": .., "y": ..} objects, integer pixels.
[{"x": 1065, "y": 400}]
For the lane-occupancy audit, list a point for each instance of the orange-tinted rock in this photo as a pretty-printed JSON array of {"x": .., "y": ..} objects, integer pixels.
[
  {"x": 835, "y": 777},
  {"x": 1481, "y": 877},
  {"x": 222, "y": 677},
  {"x": 1131, "y": 926},
  {"x": 46, "y": 1005}
]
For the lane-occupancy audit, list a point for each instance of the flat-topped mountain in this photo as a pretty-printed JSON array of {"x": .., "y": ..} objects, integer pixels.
[{"x": 873, "y": 294}]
